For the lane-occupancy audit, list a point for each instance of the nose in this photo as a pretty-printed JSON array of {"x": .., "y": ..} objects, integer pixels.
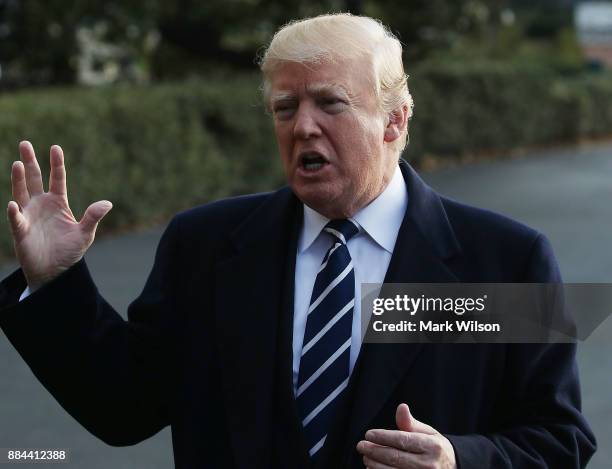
[{"x": 306, "y": 125}]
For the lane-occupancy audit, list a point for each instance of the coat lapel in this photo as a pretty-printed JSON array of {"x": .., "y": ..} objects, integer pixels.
[
  {"x": 425, "y": 241},
  {"x": 249, "y": 296}
]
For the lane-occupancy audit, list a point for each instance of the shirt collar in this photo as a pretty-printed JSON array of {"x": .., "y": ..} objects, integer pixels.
[{"x": 380, "y": 219}]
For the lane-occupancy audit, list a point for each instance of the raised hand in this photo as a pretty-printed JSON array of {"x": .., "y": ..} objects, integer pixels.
[{"x": 47, "y": 237}]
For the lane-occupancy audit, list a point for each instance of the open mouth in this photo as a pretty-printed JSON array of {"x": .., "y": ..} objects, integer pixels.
[{"x": 312, "y": 161}]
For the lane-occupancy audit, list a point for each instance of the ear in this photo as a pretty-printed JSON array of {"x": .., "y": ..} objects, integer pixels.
[{"x": 398, "y": 121}]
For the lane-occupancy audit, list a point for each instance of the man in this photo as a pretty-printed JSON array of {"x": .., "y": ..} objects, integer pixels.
[{"x": 246, "y": 338}]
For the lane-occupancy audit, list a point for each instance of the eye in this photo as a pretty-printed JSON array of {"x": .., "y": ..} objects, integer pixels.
[
  {"x": 283, "y": 110},
  {"x": 332, "y": 104}
]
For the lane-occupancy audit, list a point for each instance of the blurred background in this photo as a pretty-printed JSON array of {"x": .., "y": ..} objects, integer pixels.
[
  {"x": 157, "y": 106},
  {"x": 157, "y": 103}
]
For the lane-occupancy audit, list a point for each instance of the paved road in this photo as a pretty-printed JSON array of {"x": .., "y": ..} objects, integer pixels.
[{"x": 566, "y": 194}]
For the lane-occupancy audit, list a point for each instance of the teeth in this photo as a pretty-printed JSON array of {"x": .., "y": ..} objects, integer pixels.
[{"x": 312, "y": 166}]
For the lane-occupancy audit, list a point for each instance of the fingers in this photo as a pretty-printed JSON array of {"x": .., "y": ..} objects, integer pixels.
[
  {"x": 57, "y": 178},
  {"x": 26, "y": 176},
  {"x": 32, "y": 170},
  {"x": 18, "y": 184},
  {"x": 384, "y": 456},
  {"x": 406, "y": 422},
  {"x": 406, "y": 441},
  {"x": 17, "y": 221},
  {"x": 94, "y": 213},
  {"x": 401, "y": 450}
]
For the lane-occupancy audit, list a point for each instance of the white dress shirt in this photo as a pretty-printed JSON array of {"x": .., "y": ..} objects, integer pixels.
[{"x": 370, "y": 250}]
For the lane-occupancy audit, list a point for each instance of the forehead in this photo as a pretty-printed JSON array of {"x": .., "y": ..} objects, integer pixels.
[{"x": 354, "y": 77}]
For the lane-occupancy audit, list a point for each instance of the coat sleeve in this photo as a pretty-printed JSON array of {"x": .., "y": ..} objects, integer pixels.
[
  {"x": 543, "y": 427},
  {"x": 111, "y": 375}
]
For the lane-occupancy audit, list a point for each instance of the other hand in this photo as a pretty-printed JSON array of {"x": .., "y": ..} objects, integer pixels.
[
  {"x": 413, "y": 445},
  {"x": 47, "y": 237}
]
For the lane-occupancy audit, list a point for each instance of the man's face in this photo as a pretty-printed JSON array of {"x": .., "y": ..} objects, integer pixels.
[{"x": 330, "y": 133}]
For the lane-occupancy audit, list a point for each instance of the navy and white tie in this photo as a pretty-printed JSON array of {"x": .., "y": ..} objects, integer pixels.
[{"x": 325, "y": 359}]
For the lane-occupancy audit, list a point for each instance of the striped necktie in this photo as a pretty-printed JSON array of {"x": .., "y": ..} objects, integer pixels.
[{"x": 324, "y": 363}]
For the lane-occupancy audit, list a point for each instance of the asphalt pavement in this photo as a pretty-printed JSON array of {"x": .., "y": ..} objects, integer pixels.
[{"x": 565, "y": 193}]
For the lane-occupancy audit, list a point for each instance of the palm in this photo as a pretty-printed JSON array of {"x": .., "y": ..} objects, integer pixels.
[
  {"x": 47, "y": 237},
  {"x": 50, "y": 236}
]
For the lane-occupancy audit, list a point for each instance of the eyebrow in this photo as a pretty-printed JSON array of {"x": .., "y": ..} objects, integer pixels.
[
  {"x": 327, "y": 88},
  {"x": 314, "y": 90},
  {"x": 281, "y": 96}
]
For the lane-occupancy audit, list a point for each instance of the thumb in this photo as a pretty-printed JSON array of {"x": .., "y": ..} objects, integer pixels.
[
  {"x": 94, "y": 213},
  {"x": 406, "y": 422}
]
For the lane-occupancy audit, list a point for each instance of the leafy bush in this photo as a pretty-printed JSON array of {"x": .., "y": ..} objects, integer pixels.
[
  {"x": 482, "y": 107},
  {"x": 149, "y": 150}
]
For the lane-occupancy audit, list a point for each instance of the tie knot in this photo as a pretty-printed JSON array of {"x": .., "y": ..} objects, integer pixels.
[{"x": 343, "y": 230}]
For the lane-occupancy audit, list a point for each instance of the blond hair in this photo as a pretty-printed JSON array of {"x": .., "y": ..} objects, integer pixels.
[{"x": 342, "y": 36}]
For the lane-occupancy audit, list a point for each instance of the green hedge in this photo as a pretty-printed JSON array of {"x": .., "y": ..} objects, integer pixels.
[
  {"x": 155, "y": 150},
  {"x": 151, "y": 151},
  {"x": 465, "y": 110}
]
